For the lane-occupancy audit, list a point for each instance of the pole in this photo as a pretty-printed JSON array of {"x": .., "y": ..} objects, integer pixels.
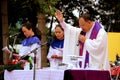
[{"x": 34, "y": 73}]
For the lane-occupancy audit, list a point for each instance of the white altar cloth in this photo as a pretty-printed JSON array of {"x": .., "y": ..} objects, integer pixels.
[{"x": 42, "y": 74}]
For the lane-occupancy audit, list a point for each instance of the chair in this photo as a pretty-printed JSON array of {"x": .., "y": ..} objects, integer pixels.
[{"x": 118, "y": 73}]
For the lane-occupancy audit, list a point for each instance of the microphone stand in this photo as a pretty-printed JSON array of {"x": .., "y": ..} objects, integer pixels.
[
  {"x": 33, "y": 51},
  {"x": 14, "y": 51},
  {"x": 14, "y": 42},
  {"x": 10, "y": 56},
  {"x": 34, "y": 73}
]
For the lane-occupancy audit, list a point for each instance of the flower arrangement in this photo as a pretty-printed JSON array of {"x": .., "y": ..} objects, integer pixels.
[{"x": 16, "y": 62}]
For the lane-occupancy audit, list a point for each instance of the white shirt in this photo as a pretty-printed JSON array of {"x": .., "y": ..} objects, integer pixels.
[
  {"x": 70, "y": 41},
  {"x": 56, "y": 51}
]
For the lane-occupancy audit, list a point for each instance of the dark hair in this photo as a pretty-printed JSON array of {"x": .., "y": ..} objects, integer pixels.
[
  {"x": 59, "y": 27},
  {"x": 29, "y": 26},
  {"x": 54, "y": 36},
  {"x": 87, "y": 16}
]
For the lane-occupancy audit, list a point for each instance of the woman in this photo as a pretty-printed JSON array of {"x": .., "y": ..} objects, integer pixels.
[
  {"x": 56, "y": 47},
  {"x": 31, "y": 45}
]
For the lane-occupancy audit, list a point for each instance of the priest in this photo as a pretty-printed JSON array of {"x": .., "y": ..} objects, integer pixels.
[{"x": 93, "y": 42}]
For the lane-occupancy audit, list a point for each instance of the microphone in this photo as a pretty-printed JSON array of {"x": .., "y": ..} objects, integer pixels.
[
  {"x": 16, "y": 34},
  {"x": 82, "y": 33}
]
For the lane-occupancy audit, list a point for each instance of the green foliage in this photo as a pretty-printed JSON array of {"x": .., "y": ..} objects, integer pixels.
[
  {"x": 12, "y": 30},
  {"x": 47, "y": 7},
  {"x": 19, "y": 9},
  {"x": 82, "y": 6},
  {"x": 11, "y": 67},
  {"x": 106, "y": 11},
  {"x": 28, "y": 9},
  {"x": 112, "y": 17}
]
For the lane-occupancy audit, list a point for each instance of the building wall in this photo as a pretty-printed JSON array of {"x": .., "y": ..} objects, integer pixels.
[{"x": 113, "y": 45}]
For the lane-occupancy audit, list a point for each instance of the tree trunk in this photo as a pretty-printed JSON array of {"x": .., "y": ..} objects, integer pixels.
[
  {"x": 42, "y": 27},
  {"x": 4, "y": 27}
]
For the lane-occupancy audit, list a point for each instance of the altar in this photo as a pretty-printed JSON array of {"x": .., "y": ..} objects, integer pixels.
[
  {"x": 42, "y": 74},
  {"x": 57, "y": 74}
]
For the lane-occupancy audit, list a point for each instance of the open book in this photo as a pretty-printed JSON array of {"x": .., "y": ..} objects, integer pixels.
[{"x": 6, "y": 50}]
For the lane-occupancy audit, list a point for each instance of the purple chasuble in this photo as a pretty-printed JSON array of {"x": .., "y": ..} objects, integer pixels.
[{"x": 93, "y": 35}]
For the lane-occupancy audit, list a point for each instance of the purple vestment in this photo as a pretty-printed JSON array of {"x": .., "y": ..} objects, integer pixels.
[{"x": 93, "y": 35}]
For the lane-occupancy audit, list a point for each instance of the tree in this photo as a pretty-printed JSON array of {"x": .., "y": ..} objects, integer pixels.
[
  {"x": 69, "y": 6},
  {"x": 21, "y": 10},
  {"x": 111, "y": 17},
  {"x": 106, "y": 11},
  {"x": 4, "y": 22}
]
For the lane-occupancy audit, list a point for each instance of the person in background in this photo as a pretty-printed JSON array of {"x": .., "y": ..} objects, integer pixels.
[
  {"x": 56, "y": 47},
  {"x": 93, "y": 41},
  {"x": 31, "y": 45}
]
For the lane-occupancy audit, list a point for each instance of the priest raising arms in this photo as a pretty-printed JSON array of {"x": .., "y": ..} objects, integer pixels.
[{"x": 93, "y": 42}]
